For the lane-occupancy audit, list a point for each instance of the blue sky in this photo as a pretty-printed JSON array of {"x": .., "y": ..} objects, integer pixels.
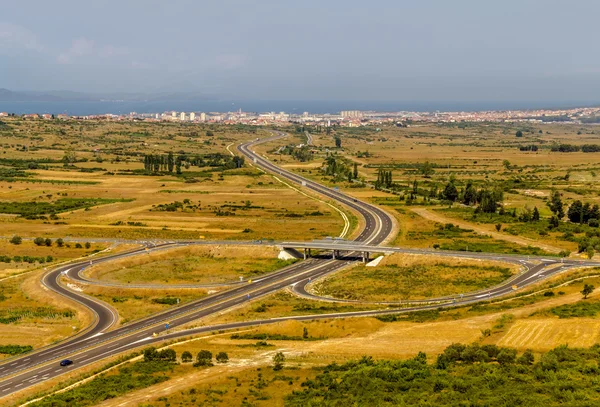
[{"x": 327, "y": 49}]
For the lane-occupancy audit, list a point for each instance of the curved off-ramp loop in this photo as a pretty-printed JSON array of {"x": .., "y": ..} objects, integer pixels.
[{"x": 532, "y": 269}]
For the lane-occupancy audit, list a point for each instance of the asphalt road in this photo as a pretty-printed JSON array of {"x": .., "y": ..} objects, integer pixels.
[{"x": 99, "y": 342}]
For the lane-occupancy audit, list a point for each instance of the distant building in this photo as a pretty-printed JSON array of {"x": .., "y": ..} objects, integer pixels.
[
  {"x": 3, "y": 114},
  {"x": 351, "y": 114},
  {"x": 182, "y": 116},
  {"x": 202, "y": 117},
  {"x": 174, "y": 114},
  {"x": 192, "y": 116}
]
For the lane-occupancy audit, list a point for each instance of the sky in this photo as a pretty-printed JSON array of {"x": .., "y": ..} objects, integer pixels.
[{"x": 306, "y": 49}]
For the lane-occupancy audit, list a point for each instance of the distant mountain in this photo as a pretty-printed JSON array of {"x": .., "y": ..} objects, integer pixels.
[
  {"x": 10, "y": 96},
  {"x": 69, "y": 96}
]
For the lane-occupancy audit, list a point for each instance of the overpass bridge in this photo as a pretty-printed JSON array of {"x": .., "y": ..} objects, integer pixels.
[{"x": 336, "y": 245}]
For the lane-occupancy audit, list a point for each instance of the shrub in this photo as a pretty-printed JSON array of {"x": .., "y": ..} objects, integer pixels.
[
  {"x": 186, "y": 357},
  {"x": 16, "y": 240},
  {"x": 39, "y": 241},
  {"x": 204, "y": 358},
  {"x": 222, "y": 357}
]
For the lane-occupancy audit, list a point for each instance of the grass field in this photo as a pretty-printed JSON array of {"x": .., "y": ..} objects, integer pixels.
[
  {"x": 402, "y": 277},
  {"x": 192, "y": 265}
]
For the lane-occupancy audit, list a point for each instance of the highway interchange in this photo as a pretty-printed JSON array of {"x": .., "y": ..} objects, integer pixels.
[{"x": 99, "y": 341}]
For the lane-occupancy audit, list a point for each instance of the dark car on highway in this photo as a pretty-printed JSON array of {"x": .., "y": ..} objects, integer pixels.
[{"x": 66, "y": 362}]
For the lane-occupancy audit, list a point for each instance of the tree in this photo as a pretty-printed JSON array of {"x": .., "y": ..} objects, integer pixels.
[
  {"x": 48, "y": 242},
  {"x": 209, "y": 133},
  {"x": 167, "y": 355},
  {"x": 498, "y": 227},
  {"x": 355, "y": 172},
  {"x": 526, "y": 358},
  {"x": 186, "y": 357},
  {"x": 519, "y": 133},
  {"x": 470, "y": 194},
  {"x": 536, "y": 214},
  {"x": 450, "y": 192},
  {"x": 506, "y": 164},
  {"x": 589, "y": 252},
  {"x": 575, "y": 212},
  {"x": 60, "y": 242},
  {"x": 178, "y": 165},
  {"x": 150, "y": 354},
  {"x": 278, "y": 361},
  {"x": 305, "y": 333},
  {"x": 204, "y": 358},
  {"x": 427, "y": 169},
  {"x": 506, "y": 356},
  {"x": 170, "y": 161},
  {"x": 222, "y": 357},
  {"x": 78, "y": 246},
  {"x": 587, "y": 290},
  {"x": 39, "y": 241},
  {"x": 16, "y": 240},
  {"x": 338, "y": 142},
  {"x": 556, "y": 205},
  {"x": 69, "y": 157},
  {"x": 88, "y": 245}
]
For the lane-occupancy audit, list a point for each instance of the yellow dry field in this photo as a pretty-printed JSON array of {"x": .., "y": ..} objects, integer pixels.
[
  {"x": 33, "y": 315},
  {"x": 243, "y": 204},
  {"x": 191, "y": 265},
  {"x": 545, "y": 334},
  {"x": 400, "y": 277},
  {"x": 257, "y": 207}
]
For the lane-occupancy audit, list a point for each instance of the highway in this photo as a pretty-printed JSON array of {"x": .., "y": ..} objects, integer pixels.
[{"x": 100, "y": 341}]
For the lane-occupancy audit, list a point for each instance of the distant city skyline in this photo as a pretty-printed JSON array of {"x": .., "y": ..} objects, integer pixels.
[{"x": 465, "y": 50}]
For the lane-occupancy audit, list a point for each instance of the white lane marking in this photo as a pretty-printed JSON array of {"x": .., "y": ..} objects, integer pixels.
[
  {"x": 58, "y": 370},
  {"x": 7, "y": 389},
  {"x": 20, "y": 384}
]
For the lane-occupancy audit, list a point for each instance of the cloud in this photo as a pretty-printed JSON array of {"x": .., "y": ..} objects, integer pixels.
[
  {"x": 230, "y": 61},
  {"x": 13, "y": 36},
  {"x": 79, "y": 47},
  {"x": 111, "y": 51}
]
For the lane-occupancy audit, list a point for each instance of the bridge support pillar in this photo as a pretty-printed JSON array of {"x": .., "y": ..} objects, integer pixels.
[
  {"x": 306, "y": 253},
  {"x": 365, "y": 257},
  {"x": 335, "y": 254}
]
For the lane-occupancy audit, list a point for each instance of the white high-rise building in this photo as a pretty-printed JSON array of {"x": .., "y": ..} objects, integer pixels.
[
  {"x": 192, "y": 116},
  {"x": 202, "y": 117},
  {"x": 182, "y": 116},
  {"x": 173, "y": 114}
]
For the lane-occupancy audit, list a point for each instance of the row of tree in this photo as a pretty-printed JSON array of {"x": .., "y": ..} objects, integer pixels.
[
  {"x": 203, "y": 358},
  {"x": 384, "y": 179},
  {"x": 168, "y": 163}
]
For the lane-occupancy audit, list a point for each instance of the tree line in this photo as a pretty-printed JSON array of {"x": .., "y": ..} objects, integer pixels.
[{"x": 168, "y": 162}]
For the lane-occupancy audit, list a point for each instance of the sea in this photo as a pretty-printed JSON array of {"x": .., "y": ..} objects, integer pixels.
[{"x": 77, "y": 108}]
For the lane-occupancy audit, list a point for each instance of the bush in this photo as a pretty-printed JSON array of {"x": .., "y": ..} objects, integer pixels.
[
  {"x": 222, "y": 357},
  {"x": 186, "y": 357},
  {"x": 39, "y": 241},
  {"x": 16, "y": 240},
  {"x": 15, "y": 349},
  {"x": 60, "y": 242},
  {"x": 204, "y": 358}
]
